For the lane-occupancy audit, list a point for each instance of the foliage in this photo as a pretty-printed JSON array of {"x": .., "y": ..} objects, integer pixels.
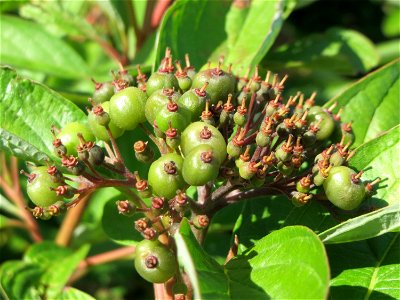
[{"x": 49, "y": 52}]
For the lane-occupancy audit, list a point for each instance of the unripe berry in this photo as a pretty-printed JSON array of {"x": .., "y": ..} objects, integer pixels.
[
  {"x": 39, "y": 188},
  {"x": 199, "y": 133},
  {"x": 69, "y": 136},
  {"x": 100, "y": 131},
  {"x": 165, "y": 175},
  {"x": 154, "y": 261},
  {"x": 344, "y": 188},
  {"x": 127, "y": 108},
  {"x": 200, "y": 166},
  {"x": 161, "y": 80}
]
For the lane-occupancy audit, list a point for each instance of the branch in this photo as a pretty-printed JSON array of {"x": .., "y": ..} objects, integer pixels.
[
  {"x": 14, "y": 193},
  {"x": 71, "y": 220},
  {"x": 102, "y": 258}
]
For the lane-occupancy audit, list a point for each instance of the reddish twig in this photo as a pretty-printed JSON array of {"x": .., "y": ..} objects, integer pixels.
[{"x": 14, "y": 193}]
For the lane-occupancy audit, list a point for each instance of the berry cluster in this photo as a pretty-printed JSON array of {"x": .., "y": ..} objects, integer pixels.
[{"x": 213, "y": 130}]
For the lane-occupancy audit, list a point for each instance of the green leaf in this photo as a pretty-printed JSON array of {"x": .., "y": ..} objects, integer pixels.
[
  {"x": 288, "y": 263},
  {"x": 380, "y": 158},
  {"x": 257, "y": 34},
  {"x": 8, "y": 207},
  {"x": 59, "y": 18},
  {"x": 366, "y": 270},
  {"x": 20, "y": 148},
  {"x": 372, "y": 103},
  {"x": 234, "y": 21},
  {"x": 388, "y": 50},
  {"x": 58, "y": 264},
  {"x": 120, "y": 228},
  {"x": 364, "y": 227},
  {"x": 194, "y": 27},
  {"x": 45, "y": 254},
  {"x": 340, "y": 50},
  {"x": 19, "y": 280},
  {"x": 30, "y": 109},
  {"x": 390, "y": 26},
  {"x": 27, "y": 45},
  {"x": 206, "y": 275},
  {"x": 71, "y": 293}
]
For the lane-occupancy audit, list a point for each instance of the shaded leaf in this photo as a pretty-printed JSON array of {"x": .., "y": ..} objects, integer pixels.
[
  {"x": 363, "y": 227},
  {"x": 19, "y": 280},
  {"x": 206, "y": 275},
  {"x": 262, "y": 215},
  {"x": 71, "y": 293},
  {"x": 120, "y": 228},
  {"x": 372, "y": 103},
  {"x": 390, "y": 26},
  {"x": 58, "y": 264},
  {"x": 367, "y": 269},
  {"x": 21, "y": 48},
  {"x": 59, "y": 18},
  {"x": 20, "y": 148},
  {"x": 29, "y": 110},
  {"x": 337, "y": 50},
  {"x": 388, "y": 50},
  {"x": 194, "y": 27},
  {"x": 379, "y": 158}
]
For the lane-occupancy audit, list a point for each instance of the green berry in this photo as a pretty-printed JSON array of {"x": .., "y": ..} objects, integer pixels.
[
  {"x": 100, "y": 131},
  {"x": 69, "y": 138},
  {"x": 171, "y": 115},
  {"x": 127, "y": 108},
  {"x": 221, "y": 84},
  {"x": 327, "y": 125},
  {"x": 161, "y": 80},
  {"x": 200, "y": 166},
  {"x": 154, "y": 261},
  {"x": 194, "y": 101},
  {"x": 165, "y": 175},
  {"x": 103, "y": 92},
  {"x": 343, "y": 188},
  {"x": 39, "y": 188},
  {"x": 200, "y": 133},
  {"x": 157, "y": 101}
]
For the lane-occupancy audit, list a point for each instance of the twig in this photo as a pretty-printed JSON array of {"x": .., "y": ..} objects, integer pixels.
[
  {"x": 71, "y": 220},
  {"x": 160, "y": 147},
  {"x": 14, "y": 194},
  {"x": 115, "y": 146},
  {"x": 102, "y": 258}
]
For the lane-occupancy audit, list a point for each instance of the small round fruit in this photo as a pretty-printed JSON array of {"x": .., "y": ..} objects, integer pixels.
[
  {"x": 178, "y": 118},
  {"x": 161, "y": 80},
  {"x": 100, "y": 131},
  {"x": 127, "y": 108},
  {"x": 342, "y": 190},
  {"x": 39, "y": 188},
  {"x": 154, "y": 261},
  {"x": 165, "y": 175},
  {"x": 221, "y": 84},
  {"x": 200, "y": 133},
  {"x": 157, "y": 101},
  {"x": 200, "y": 166},
  {"x": 69, "y": 138},
  {"x": 194, "y": 101},
  {"x": 103, "y": 92},
  {"x": 327, "y": 125}
]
